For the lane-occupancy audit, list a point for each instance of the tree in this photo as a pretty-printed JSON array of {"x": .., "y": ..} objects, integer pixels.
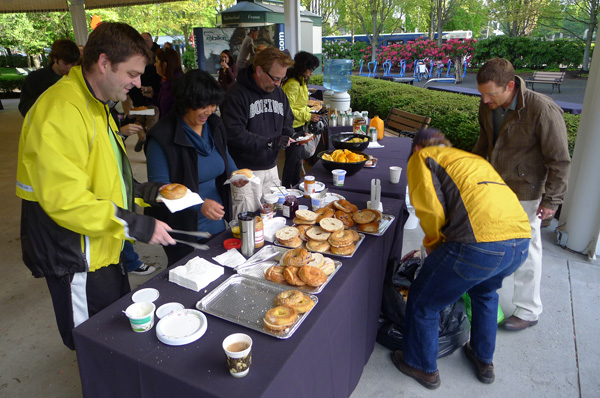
[
  {"x": 471, "y": 15},
  {"x": 517, "y": 17},
  {"x": 444, "y": 10}
]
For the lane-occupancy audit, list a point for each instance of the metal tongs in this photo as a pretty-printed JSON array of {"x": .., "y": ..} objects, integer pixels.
[
  {"x": 198, "y": 246},
  {"x": 260, "y": 260},
  {"x": 198, "y": 234}
]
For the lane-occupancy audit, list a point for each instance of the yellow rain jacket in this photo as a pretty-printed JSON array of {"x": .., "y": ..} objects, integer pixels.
[
  {"x": 458, "y": 196},
  {"x": 298, "y": 98}
]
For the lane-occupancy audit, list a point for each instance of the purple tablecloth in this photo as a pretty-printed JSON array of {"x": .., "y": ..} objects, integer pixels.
[
  {"x": 324, "y": 358},
  {"x": 394, "y": 153}
]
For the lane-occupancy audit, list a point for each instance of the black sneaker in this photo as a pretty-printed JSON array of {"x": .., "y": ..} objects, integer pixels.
[
  {"x": 139, "y": 145},
  {"x": 485, "y": 371},
  {"x": 144, "y": 269}
]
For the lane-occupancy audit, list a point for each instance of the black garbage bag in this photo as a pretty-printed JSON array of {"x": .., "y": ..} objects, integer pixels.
[{"x": 454, "y": 326}]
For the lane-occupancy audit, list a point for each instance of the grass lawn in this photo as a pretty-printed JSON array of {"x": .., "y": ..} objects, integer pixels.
[{"x": 8, "y": 71}]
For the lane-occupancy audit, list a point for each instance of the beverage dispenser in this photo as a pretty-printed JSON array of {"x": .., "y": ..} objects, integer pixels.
[{"x": 336, "y": 79}]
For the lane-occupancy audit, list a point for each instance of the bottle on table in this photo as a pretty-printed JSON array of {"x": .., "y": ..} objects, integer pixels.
[{"x": 290, "y": 206}]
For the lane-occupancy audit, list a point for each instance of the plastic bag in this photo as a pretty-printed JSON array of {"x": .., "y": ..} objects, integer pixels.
[
  {"x": 454, "y": 326},
  {"x": 467, "y": 300}
]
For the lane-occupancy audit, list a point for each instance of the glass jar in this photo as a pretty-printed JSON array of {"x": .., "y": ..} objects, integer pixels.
[
  {"x": 259, "y": 233},
  {"x": 290, "y": 206},
  {"x": 268, "y": 207},
  {"x": 309, "y": 186},
  {"x": 359, "y": 125}
]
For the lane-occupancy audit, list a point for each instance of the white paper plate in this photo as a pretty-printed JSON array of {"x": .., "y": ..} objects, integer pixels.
[
  {"x": 148, "y": 295},
  {"x": 181, "y": 327},
  {"x": 296, "y": 192},
  {"x": 167, "y": 308},
  {"x": 319, "y": 186},
  {"x": 304, "y": 138},
  {"x": 332, "y": 197}
]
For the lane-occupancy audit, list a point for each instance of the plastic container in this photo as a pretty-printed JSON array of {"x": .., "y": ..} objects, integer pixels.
[
  {"x": 268, "y": 207},
  {"x": 359, "y": 126},
  {"x": 309, "y": 186},
  {"x": 336, "y": 75},
  {"x": 378, "y": 124}
]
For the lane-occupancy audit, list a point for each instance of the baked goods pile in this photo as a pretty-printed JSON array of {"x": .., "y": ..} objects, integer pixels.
[
  {"x": 173, "y": 191},
  {"x": 288, "y": 305},
  {"x": 299, "y": 267}
]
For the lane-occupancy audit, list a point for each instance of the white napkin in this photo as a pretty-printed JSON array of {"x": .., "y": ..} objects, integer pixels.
[
  {"x": 272, "y": 226},
  {"x": 254, "y": 179},
  {"x": 196, "y": 274},
  {"x": 231, "y": 258},
  {"x": 174, "y": 205},
  {"x": 374, "y": 145}
]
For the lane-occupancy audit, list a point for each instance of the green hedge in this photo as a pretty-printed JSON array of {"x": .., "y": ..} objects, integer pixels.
[
  {"x": 10, "y": 83},
  {"x": 453, "y": 114}
]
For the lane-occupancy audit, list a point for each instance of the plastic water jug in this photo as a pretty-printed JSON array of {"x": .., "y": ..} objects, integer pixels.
[{"x": 337, "y": 74}]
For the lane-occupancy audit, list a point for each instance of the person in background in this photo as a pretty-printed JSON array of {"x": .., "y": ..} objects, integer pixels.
[
  {"x": 168, "y": 45},
  {"x": 296, "y": 89},
  {"x": 247, "y": 50},
  {"x": 258, "y": 120},
  {"x": 228, "y": 70},
  {"x": 64, "y": 54},
  {"x": 77, "y": 186},
  {"x": 476, "y": 234},
  {"x": 523, "y": 135},
  {"x": 168, "y": 66},
  {"x": 189, "y": 147}
]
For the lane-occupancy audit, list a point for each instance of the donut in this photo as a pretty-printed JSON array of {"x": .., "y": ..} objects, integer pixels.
[
  {"x": 299, "y": 221},
  {"x": 355, "y": 235},
  {"x": 345, "y": 218},
  {"x": 317, "y": 246},
  {"x": 306, "y": 215},
  {"x": 343, "y": 250},
  {"x": 331, "y": 224},
  {"x": 287, "y": 233},
  {"x": 327, "y": 266},
  {"x": 312, "y": 276},
  {"x": 173, "y": 191},
  {"x": 291, "y": 276},
  {"x": 372, "y": 227},
  {"x": 364, "y": 216},
  {"x": 288, "y": 297},
  {"x": 280, "y": 318},
  {"x": 304, "y": 305},
  {"x": 302, "y": 229},
  {"x": 275, "y": 274},
  {"x": 345, "y": 206},
  {"x": 341, "y": 238},
  {"x": 293, "y": 243},
  {"x": 316, "y": 259},
  {"x": 324, "y": 212},
  {"x": 296, "y": 257},
  {"x": 317, "y": 233}
]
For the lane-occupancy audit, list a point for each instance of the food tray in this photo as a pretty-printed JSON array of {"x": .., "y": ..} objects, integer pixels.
[
  {"x": 258, "y": 271},
  {"x": 244, "y": 300},
  {"x": 327, "y": 253},
  {"x": 384, "y": 224}
]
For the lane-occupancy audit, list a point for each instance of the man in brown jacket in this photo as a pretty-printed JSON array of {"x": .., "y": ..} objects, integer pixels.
[{"x": 523, "y": 135}]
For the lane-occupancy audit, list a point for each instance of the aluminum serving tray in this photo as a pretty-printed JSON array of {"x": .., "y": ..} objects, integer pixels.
[
  {"x": 244, "y": 300},
  {"x": 258, "y": 271},
  {"x": 384, "y": 224},
  {"x": 327, "y": 253}
]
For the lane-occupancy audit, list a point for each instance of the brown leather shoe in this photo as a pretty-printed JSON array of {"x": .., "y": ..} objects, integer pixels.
[
  {"x": 514, "y": 323},
  {"x": 429, "y": 380},
  {"x": 484, "y": 371}
]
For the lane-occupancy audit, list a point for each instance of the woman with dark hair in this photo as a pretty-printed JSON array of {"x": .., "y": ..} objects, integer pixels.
[
  {"x": 189, "y": 146},
  {"x": 228, "y": 70},
  {"x": 296, "y": 89},
  {"x": 168, "y": 66}
]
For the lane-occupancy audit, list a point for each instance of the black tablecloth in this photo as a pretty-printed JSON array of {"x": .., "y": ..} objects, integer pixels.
[
  {"x": 394, "y": 153},
  {"x": 324, "y": 358}
]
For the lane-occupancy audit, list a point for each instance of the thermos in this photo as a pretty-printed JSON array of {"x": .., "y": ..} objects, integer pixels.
[{"x": 246, "y": 220}]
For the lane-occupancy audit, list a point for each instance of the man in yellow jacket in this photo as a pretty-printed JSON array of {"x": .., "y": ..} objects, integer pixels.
[
  {"x": 76, "y": 181},
  {"x": 476, "y": 234}
]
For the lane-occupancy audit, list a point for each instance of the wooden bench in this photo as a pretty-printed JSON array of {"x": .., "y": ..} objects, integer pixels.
[
  {"x": 404, "y": 124},
  {"x": 554, "y": 78}
]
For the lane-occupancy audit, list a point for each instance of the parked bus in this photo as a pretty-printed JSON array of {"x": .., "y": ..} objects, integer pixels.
[{"x": 401, "y": 38}]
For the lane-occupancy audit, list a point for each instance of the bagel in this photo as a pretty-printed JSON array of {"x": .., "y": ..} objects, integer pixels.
[
  {"x": 295, "y": 258},
  {"x": 331, "y": 224},
  {"x": 244, "y": 172},
  {"x": 355, "y": 235},
  {"x": 378, "y": 214},
  {"x": 343, "y": 250},
  {"x": 287, "y": 233},
  {"x": 291, "y": 276},
  {"x": 345, "y": 218},
  {"x": 280, "y": 318},
  {"x": 345, "y": 206},
  {"x": 371, "y": 227},
  {"x": 317, "y": 233},
  {"x": 275, "y": 274},
  {"x": 312, "y": 276},
  {"x": 318, "y": 246},
  {"x": 173, "y": 191},
  {"x": 306, "y": 215},
  {"x": 324, "y": 212},
  {"x": 341, "y": 238},
  {"x": 316, "y": 259},
  {"x": 304, "y": 305},
  {"x": 327, "y": 266},
  {"x": 364, "y": 216},
  {"x": 292, "y": 243},
  {"x": 288, "y": 297},
  {"x": 299, "y": 221},
  {"x": 303, "y": 229}
]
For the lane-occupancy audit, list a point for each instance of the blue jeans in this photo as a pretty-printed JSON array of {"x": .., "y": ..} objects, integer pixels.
[
  {"x": 447, "y": 273},
  {"x": 130, "y": 258}
]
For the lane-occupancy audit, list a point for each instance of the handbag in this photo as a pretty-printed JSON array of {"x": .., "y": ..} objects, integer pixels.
[{"x": 316, "y": 129}]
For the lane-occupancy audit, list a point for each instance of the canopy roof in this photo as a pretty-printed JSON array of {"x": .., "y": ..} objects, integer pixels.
[{"x": 10, "y": 6}]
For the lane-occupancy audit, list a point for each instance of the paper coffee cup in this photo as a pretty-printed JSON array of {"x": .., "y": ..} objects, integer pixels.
[
  {"x": 339, "y": 176},
  {"x": 238, "y": 352},
  {"x": 316, "y": 201},
  {"x": 141, "y": 316},
  {"x": 395, "y": 172}
]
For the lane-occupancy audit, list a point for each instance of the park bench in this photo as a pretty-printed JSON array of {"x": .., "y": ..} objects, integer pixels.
[
  {"x": 554, "y": 78},
  {"x": 404, "y": 124}
]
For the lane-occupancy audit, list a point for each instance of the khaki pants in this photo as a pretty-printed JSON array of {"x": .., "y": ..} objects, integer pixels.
[{"x": 248, "y": 197}]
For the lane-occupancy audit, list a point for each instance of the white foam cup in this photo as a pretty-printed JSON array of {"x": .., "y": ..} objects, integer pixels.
[{"x": 395, "y": 172}]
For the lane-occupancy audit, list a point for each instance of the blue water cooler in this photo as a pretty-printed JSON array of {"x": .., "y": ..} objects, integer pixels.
[{"x": 336, "y": 79}]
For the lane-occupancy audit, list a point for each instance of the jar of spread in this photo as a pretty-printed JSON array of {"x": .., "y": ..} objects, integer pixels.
[
  {"x": 309, "y": 186},
  {"x": 290, "y": 206},
  {"x": 259, "y": 233},
  {"x": 359, "y": 125},
  {"x": 268, "y": 207}
]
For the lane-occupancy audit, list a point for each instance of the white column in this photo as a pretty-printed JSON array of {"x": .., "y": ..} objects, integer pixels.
[
  {"x": 581, "y": 210},
  {"x": 79, "y": 19},
  {"x": 291, "y": 19}
]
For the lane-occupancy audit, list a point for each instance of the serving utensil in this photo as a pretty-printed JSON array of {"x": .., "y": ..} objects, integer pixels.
[
  {"x": 198, "y": 246},
  {"x": 199, "y": 234}
]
